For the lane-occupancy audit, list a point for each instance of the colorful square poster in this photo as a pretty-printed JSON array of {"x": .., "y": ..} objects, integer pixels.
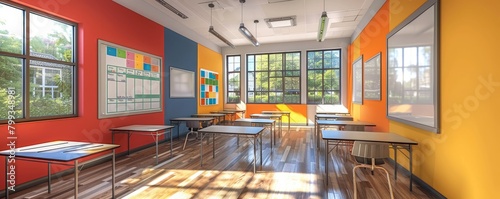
[{"x": 209, "y": 87}]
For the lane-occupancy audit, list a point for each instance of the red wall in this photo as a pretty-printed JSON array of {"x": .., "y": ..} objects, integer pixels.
[{"x": 97, "y": 19}]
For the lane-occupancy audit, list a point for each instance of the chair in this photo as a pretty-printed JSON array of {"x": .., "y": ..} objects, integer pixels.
[
  {"x": 369, "y": 155},
  {"x": 193, "y": 127}
]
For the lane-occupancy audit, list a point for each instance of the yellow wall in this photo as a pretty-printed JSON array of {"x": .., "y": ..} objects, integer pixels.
[
  {"x": 462, "y": 161},
  {"x": 210, "y": 60}
]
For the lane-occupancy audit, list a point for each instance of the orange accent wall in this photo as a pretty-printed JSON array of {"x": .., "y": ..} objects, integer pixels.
[
  {"x": 210, "y": 60},
  {"x": 372, "y": 40},
  {"x": 97, "y": 19},
  {"x": 298, "y": 112}
]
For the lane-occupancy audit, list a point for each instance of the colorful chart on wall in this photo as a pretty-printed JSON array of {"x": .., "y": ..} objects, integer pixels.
[
  {"x": 129, "y": 81},
  {"x": 209, "y": 88}
]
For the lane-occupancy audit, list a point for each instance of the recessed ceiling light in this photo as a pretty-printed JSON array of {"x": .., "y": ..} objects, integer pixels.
[{"x": 280, "y": 22}]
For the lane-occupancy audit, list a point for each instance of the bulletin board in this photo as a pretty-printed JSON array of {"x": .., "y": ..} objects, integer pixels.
[
  {"x": 130, "y": 81},
  {"x": 181, "y": 83},
  {"x": 209, "y": 88}
]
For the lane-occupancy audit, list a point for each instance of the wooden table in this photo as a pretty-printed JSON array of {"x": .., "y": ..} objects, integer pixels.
[
  {"x": 253, "y": 132},
  {"x": 339, "y": 123},
  {"x": 271, "y": 123},
  {"x": 286, "y": 113},
  {"x": 61, "y": 152},
  {"x": 396, "y": 141},
  {"x": 153, "y": 130}
]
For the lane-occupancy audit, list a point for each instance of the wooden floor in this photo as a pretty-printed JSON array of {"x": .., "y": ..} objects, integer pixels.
[{"x": 293, "y": 169}]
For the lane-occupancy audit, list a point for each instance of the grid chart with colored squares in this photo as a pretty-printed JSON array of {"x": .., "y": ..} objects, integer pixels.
[
  {"x": 209, "y": 87},
  {"x": 133, "y": 81}
]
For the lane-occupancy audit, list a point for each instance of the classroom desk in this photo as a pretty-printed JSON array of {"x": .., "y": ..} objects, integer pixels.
[
  {"x": 270, "y": 116},
  {"x": 153, "y": 130},
  {"x": 396, "y": 141},
  {"x": 217, "y": 116},
  {"x": 286, "y": 113},
  {"x": 252, "y": 131},
  {"x": 61, "y": 152},
  {"x": 271, "y": 123},
  {"x": 330, "y": 117},
  {"x": 333, "y": 113},
  {"x": 339, "y": 123},
  {"x": 177, "y": 121},
  {"x": 237, "y": 111},
  {"x": 231, "y": 114}
]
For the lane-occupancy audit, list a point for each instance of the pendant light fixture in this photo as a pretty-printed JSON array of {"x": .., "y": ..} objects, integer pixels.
[
  {"x": 215, "y": 33},
  {"x": 323, "y": 25},
  {"x": 244, "y": 30}
]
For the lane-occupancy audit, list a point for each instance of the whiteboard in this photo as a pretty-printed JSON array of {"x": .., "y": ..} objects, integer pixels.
[
  {"x": 181, "y": 83},
  {"x": 130, "y": 81}
]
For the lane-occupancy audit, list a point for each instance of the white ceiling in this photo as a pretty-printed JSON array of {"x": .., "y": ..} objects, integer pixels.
[{"x": 344, "y": 16}]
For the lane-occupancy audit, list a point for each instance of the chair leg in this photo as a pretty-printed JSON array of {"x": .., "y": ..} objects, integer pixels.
[
  {"x": 365, "y": 166},
  {"x": 354, "y": 181},
  {"x": 185, "y": 140},
  {"x": 388, "y": 180}
]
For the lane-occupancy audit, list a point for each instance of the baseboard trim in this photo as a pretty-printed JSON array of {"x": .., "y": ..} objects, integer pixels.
[{"x": 416, "y": 180}]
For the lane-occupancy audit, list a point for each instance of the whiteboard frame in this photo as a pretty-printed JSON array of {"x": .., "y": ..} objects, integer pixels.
[
  {"x": 191, "y": 84},
  {"x": 102, "y": 78}
]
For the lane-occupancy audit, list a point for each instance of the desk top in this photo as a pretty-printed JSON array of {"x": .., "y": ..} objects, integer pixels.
[
  {"x": 255, "y": 120},
  {"x": 343, "y": 123},
  {"x": 266, "y": 115},
  {"x": 276, "y": 112},
  {"x": 145, "y": 128},
  {"x": 366, "y": 136},
  {"x": 235, "y": 110},
  {"x": 191, "y": 119},
  {"x": 62, "y": 151},
  {"x": 332, "y": 116},
  {"x": 224, "y": 112},
  {"x": 240, "y": 130},
  {"x": 208, "y": 115}
]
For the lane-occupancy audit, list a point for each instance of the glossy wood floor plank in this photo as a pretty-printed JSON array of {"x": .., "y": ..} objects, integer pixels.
[{"x": 292, "y": 169}]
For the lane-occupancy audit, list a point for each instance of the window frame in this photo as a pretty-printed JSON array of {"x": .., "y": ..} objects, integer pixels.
[
  {"x": 25, "y": 57},
  {"x": 228, "y": 72},
  {"x": 323, "y": 80},
  {"x": 269, "y": 71}
]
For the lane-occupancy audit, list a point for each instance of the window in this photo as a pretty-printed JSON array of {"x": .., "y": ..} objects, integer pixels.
[
  {"x": 273, "y": 78},
  {"x": 410, "y": 75},
  {"x": 37, "y": 68},
  {"x": 323, "y": 77},
  {"x": 233, "y": 78}
]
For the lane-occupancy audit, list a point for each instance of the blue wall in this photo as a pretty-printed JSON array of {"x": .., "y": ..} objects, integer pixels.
[{"x": 180, "y": 52}]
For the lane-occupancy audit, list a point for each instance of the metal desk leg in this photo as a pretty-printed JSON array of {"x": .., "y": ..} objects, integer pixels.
[
  {"x": 273, "y": 128},
  {"x": 76, "y": 179},
  {"x": 201, "y": 150},
  {"x": 289, "y": 122},
  {"x": 271, "y": 136},
  {"x": 260, "y": 142},
  {"x": 128, "y": 143},
  {"x": 156, "y": 141},
  {"x": 326, "y": 162},
  {"x": 317, "y": 134},
  {"x": 411, "y": 167},
  {"x": 113, "y": 176},
  {"x": 213, "y": 145},
  {"x": 49, "y": 176},
  {"x": 171, "y": 143},
  {"x": 395, "y": 161},
  {"x": 254, "y": 152}
]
